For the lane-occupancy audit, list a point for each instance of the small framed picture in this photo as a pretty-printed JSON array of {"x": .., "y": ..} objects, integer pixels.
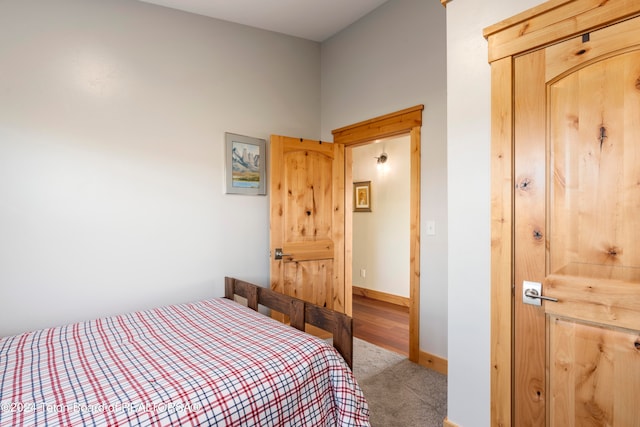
[
  {"x": 245, "y": 160},
  {"x": 362, "y": 196}
]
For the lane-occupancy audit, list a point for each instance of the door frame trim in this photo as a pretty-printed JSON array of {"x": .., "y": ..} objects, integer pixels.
[
  {"x": 403, "y": 122},
  {"x": 540, "y": 26}
]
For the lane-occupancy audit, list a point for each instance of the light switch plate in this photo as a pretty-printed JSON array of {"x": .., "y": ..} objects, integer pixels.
[{"x": 431, "y": 228}]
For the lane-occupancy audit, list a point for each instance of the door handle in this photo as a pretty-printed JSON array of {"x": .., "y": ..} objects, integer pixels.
[
  {"x": 532, "y": 293},
  {"x": 278, "y": 254}
]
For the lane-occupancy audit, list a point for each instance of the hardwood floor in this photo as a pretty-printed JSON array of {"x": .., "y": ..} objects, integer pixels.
[{"x": 381, "y": 323}]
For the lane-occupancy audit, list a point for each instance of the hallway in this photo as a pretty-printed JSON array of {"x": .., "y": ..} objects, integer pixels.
[{"x": 381, "y": 323}]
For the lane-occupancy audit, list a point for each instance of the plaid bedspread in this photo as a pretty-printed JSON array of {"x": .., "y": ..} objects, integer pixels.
[{"x": 212, "y": 362}]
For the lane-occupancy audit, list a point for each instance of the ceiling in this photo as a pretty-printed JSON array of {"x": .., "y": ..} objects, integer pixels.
[{"x": 315, "y": 20}]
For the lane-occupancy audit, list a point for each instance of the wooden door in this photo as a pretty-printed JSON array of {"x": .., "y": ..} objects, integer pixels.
[
  {"x": 577, "y": 230},
  {"x": 307, "y": 220}
]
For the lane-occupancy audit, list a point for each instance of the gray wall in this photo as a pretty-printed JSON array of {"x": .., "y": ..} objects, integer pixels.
[
  {"x": 391, "y": 59},
  {"x": 468, "y": 134},
  {"x": 112, "y": 122}
]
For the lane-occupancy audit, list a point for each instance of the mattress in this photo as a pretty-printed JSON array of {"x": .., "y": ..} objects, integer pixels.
[{"x": 211, "y": 362}]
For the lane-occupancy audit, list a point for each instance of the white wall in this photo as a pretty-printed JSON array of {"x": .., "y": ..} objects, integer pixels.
[
  {"x": 468, "y": 133},
  {"x": 381, "y": 237},
  {"x": 112, "y": 121},
  {"x": 391, "y": 59}
]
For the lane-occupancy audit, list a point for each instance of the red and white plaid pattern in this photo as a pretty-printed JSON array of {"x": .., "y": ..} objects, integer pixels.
[{"x": 211, "y": 362}]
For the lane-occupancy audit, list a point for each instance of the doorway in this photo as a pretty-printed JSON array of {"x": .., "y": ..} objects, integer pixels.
[
  {"x": 404, "y": 122},
  {"x": 380, "y": 243}
]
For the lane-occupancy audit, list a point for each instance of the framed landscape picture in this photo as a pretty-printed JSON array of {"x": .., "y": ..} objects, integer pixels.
[{"x": 245, "y": 160}]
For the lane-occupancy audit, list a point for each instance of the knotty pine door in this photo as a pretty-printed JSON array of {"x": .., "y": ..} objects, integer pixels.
[
  {"x": 577, "y": 230},
  {"x": 307, "y": 220}
]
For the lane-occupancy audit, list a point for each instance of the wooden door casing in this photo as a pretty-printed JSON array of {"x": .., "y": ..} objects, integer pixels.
[
  {"x": 571, "y": 402},
  {"x": 407, "y": 121},
  {"x": 307, "y": 220}
]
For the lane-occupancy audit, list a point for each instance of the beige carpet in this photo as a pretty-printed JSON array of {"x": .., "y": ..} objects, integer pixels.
[{"x": 399, "y": 392}]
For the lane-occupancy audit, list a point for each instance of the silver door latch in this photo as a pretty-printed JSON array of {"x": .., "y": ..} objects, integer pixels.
[
  {"x": 532, "y": 293},
  {"x": 279, "y": 254}
]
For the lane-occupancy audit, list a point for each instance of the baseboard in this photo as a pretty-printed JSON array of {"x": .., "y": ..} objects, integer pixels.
[
  {"x": 381, "y": 296},
  {"x": 434, "y": 362},
  {"x": 448, "y": 423}
]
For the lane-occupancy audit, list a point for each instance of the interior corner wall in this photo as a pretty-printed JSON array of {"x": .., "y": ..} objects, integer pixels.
[
  {"x": 112, "y": 122},
  {"x": 392, "y": 59},
  {"x": 469, "y": 146}
]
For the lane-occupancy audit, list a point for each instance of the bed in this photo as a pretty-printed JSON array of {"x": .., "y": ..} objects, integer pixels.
[{"x": 209, "y": 362}]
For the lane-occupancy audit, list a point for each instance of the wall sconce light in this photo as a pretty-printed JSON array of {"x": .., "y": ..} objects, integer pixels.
[{"x": 382, "y": 159}]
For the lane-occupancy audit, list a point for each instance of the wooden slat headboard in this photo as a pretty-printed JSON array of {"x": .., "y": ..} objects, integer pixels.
[{"x": 300, "y": 312}]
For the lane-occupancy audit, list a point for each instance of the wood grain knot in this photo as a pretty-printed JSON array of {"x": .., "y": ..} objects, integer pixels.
[
  {"x": 614, "y": 251},
  {"x": 638, "y": 83},
  {"x": 581, "y": 52},
  {"x": 537, "y": 234},
  {"x": 637, "y": 345},
  {"x": 574, "y": 121},
  {"x": 524, "y": 184},
  {"x": 308, "y": 213},
  {"x": 524, "y": 29}
]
